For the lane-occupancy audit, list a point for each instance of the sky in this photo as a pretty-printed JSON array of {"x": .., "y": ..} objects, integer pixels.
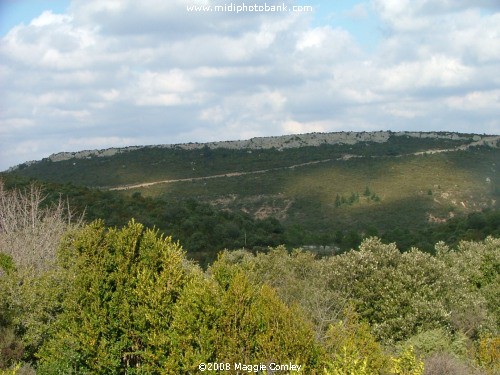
[{"x": 92, "y": 74}]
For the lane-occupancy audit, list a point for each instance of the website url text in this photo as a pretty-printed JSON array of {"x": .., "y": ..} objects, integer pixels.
[{"x": 242, "y": 7}]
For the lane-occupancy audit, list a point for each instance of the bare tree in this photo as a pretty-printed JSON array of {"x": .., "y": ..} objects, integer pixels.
[{"x": 30, "y": 230}]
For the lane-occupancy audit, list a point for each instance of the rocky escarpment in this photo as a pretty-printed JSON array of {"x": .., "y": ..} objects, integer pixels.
[{"x": 290, "y": 141}]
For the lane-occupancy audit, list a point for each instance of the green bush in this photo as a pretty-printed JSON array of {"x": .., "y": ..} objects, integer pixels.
[
  {"x": 136, "y": 305},
  {"x": 407, "y": 363},
  {"x": 488, "y": 353},
  {"x": 118, "y": 310},
  {"x": 400, "y": 294},
  {"x": 6, "y": 264},
  {"x": 479, "y": 264},
  {"x": 352, "y": 348},
  {"x": 347, "y": 362},
  {"x": 298, "y": 277},
  {"x": 438, "y": 341},
  {"x": 14, "y": 370}
]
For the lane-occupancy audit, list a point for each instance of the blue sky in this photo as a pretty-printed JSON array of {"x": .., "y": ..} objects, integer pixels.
[
  {"x": 88, "y": 74},
  {"x": 335, "y": 13},
  {"x": 352, "y": 15},
  {"x": 15, "y": 12}
]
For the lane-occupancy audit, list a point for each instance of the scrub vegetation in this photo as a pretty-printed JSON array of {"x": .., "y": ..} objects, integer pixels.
[
  {"x": 378, "y": 262},
  {"x": 107, "y": 300},
  {"x": 326, "y": 198}
]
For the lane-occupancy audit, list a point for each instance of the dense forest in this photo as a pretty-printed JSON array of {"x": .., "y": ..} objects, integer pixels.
[
  {"x": 81, "y": 298},
  {"x": 204, "y": 229},
  {"x": 326, "y": 198}
]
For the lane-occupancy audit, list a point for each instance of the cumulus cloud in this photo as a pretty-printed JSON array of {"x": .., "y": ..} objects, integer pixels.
[{"x": 112, "y": 73}]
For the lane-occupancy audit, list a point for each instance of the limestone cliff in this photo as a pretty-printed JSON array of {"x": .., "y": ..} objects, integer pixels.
[{"x": 292, "y": 141}]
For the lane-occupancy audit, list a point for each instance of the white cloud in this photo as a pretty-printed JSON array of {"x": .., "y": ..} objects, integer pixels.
[
  {"x": 295, "y": 127},
  {"x": 215, "y": 114},
  {"x": 435, "y": 72},
  {"x": 92, "y": 143},
  {"x": 109, "y": 73},
  {"x": 312, "y": 38},
  {"x": 50, "y": 42},
  {"x": 476, "y": 101},
  {"x": 163, "y": 88}
]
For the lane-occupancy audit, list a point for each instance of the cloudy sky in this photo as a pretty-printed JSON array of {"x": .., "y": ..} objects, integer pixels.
[{"x": 87, "y": 74}]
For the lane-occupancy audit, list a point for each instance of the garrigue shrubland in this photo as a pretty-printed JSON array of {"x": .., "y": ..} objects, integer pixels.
[{"x": 110, "y": 300}]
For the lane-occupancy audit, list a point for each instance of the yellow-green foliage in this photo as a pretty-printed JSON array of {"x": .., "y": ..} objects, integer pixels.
[
  {"x": 127, "y": 301},
  {"x": 270, "y": 330},
  {"x": 357, "y": 353},
  {"x": 407, "y": 363},
  {"x": 488, "y": 353},
  {"x": 29, "y": 304},
  {"x": 14, "y": 370},
  {"x": 352, "y": 346},
  {"x": 226, "y": 318},
  {"x": 348, "y": 362},
  {"x": 298, "y": 277},
  {"x": 194, "y": 328},
  {"x": 136, "y": 306},
  {"x": 119, "y": 307}
]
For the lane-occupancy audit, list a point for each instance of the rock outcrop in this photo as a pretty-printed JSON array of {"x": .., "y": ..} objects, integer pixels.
[{"x": 290, "y": 141}]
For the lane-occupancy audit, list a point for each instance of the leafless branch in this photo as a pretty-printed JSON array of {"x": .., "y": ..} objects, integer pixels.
[{"x": 30, "y": 230}]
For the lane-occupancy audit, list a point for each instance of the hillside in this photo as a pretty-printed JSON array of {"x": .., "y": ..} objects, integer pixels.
[
  {"x": 141, "y": 164},
  {"x": 284, "y": 142},
  {"x": 328, "y": 189},
  {"x": 194, "y": 201}
]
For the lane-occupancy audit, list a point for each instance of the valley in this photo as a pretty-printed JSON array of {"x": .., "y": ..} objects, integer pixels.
[{"x": 317, "y": 190}]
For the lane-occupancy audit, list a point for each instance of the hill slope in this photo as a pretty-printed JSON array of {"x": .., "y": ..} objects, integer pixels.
[
  {"x": 324, "y": 188},
  {"x": 139, "y": 164}
]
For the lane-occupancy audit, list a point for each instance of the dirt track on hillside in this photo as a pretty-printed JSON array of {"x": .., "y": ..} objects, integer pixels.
[
  {"x": 231, "y": 174},
  {"x": 235, "y": 174}
]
